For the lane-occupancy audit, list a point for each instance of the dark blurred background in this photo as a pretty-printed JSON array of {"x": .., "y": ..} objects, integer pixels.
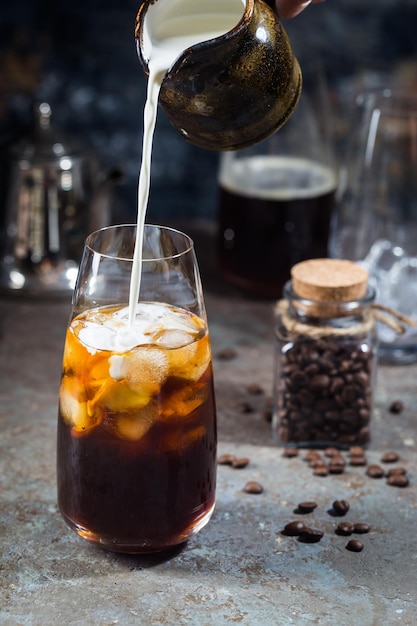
[{"x": 80, "y": 56}]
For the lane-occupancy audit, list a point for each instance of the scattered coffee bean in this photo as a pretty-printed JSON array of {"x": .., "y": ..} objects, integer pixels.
[
  {"x": 390, "y": 457},
  {"x": 226, "y": 459},
  {"x": 240, "y": 463},
  {"x": 267, "y": 415},
  {"x": 398, "y": 480},
  {"x": 336, "y": 468},
  {"x": 293, "y": 529},
  {"x": 354, "y": 545},
  {"x": 306, "y": 507},
  {"x": 290, "y": 452},
  {"x": 358, "y": 461},
  {"x": 321, "y": 470},
  {"x": 360, "y": 528},
  {"x": 312, "y": 455},
  {"x": 345, "y": 528},
  {"x": 396, "y": 470},
  {"x": 330, "y": 452},
  {"x": 356, "y": 451},
  {"x": 340, "y": 507},
  {"x": 254, "y": 389},
  {"x": 310, "y": 535},
  {"x": 396, "y": 407},
  {"x": 375, "y": 471},
  {"x": 317, "y": 463},
  {"x": 246, "y": 407},
  {"x": 253, "y": 487},
  {"x": 338, "y": 459},
  {"x": 227, "y": 354}
]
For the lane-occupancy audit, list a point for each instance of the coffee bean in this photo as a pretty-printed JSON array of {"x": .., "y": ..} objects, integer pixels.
[
  {"x": 227, "y": 354},
  {"x": 396, "y": 470},
  {"x": 338, "y": 459},
  {"x": 336, "y": 468},
  {"x": 240, "y": 463},
  {"x": 253, "y": 487},
  {"x": 246, "y": 407},
  {"x": 312, "y": 455},
  {"x": 321, "y": 470},
  {"x": 290, "y": 453},
  {"x": 396, "y": 407},
  {"x": 398, "y": 480},
  {"x": 358, "y": 461},
  {"x": 254, "y": 389},
  {"x": 319, "y": 382},
  {"x": 310, "y": 535},
  {"x": 307, "y": 506},
  {"x": 340, "y": 507},
  {"x": 375, "y": 471},
  {"x": 331, "y": 452},
  {"x": 360, "y": 528},
  {"x": 354, "y": 545},
  {"x": 317, "y": 463},
  {"x": 356, "y": 451},
  {"x": 226, "y": 459},
  {"x": 390, "y": 457},
  {"x": 293, "y": 529},
  {"x": 345, "y": 528}
]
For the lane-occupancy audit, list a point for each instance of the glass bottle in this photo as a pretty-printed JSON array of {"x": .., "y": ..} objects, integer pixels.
[{"x": 325, "y": 356}]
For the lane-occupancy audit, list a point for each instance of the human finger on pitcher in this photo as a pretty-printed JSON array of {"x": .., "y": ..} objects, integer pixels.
[{"x": 291, "y": 8}]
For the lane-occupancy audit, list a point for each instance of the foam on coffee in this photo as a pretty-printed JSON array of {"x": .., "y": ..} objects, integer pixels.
[
  {"x": 154, "y": 323},
  {"x": 277, "y": 178}
]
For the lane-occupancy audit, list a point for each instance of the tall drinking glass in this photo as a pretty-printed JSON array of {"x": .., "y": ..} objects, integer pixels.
[
  {"x": 376, "y": 219},
  {"x": 136, "y": 458}
]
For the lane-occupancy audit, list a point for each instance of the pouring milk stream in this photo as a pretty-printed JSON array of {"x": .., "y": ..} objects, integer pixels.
[{"x": 188, "y": 23}]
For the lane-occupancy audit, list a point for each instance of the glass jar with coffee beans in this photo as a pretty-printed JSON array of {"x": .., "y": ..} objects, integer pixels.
[{"x": 326, "y": 356}]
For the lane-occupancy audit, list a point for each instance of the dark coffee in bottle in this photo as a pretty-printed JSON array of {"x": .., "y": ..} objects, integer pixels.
[{"x": 274, "y": 211}]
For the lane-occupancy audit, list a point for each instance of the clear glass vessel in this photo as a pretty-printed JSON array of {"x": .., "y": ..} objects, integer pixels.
[
  {"x": 376, "y": 219},
  {"x": 325, "y": 370},
  {"x": 136, "y": 457}
]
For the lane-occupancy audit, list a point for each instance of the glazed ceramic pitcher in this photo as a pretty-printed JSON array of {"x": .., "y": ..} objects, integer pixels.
[{"x": 230, "y": 91}]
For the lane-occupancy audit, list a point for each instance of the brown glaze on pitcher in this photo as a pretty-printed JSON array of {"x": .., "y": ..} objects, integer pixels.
[{"x": 232, "y": 91}]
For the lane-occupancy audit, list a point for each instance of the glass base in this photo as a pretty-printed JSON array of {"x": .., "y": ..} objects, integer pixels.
[{"x": 117, "y": 544}]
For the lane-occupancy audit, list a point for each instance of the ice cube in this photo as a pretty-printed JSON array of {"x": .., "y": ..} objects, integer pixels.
[
  {"x": 119, "y": 397},
  {"x": 191, "y": 361},
  {"x": 145, "y": 369},
  {"x": 182, "y": 402},
  {"x": 133, "y": 426},
  {"x": 182, "y": 438},
  {"x": 75, "y": 409},
  {"x": 172, "y": 338}
]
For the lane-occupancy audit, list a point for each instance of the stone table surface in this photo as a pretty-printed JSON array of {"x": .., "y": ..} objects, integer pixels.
[{"x": 240, "y": 568}]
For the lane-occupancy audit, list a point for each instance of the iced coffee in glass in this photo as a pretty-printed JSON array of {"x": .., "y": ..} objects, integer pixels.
[{"x": 137, "y": 423}]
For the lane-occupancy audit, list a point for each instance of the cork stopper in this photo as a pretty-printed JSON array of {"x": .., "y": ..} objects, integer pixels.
[{"x": 329, "y": 280}]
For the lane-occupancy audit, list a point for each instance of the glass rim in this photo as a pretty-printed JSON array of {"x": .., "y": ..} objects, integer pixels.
[{"x": 88, "y": 243}]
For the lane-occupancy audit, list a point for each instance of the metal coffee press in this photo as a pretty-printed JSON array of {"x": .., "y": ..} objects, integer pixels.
[{"x": 47, "y": 211}]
